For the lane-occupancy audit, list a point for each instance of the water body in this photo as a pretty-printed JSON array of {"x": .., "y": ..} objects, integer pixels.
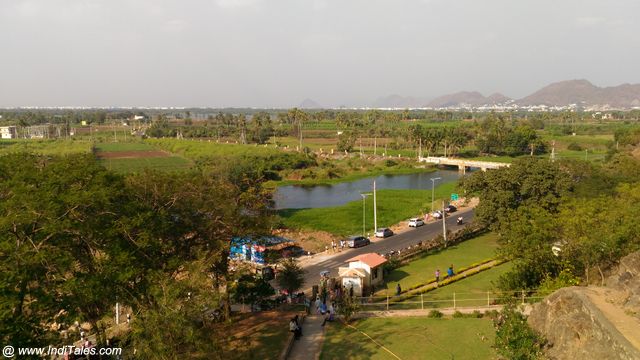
[{"x": 315, "y": 196}]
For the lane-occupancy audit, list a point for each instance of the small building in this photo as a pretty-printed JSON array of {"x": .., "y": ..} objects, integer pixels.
[
  {"x": 8, "y": 132},
  {"x": 254, "y": 250},
  {"x": 363, "y": 272}
]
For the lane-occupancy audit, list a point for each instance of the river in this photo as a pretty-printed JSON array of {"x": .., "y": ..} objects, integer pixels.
[{"x": 314, "y": 196}]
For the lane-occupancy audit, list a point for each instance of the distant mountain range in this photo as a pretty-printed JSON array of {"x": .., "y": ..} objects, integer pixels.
[{"x": 563, "y": 93}]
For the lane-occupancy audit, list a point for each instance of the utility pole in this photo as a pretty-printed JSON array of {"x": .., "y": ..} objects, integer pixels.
[
  {"x": 586, "y": 154},
  {"x": 553, "y": 151},
  {"x": 375, "y": 205},
  {"x": 444, "y": 225}
]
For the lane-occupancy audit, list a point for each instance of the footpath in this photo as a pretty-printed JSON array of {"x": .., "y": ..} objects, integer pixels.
[{"x": 308, "y": 347}]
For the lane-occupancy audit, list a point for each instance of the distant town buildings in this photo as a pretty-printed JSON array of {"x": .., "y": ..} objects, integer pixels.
[{"x": 8, "y": 132}]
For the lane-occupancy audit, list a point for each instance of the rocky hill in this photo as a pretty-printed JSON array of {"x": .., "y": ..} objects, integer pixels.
[
  {"x": 472, "y": 98},
  {"x": 582, "y": 92},
  {"x": 594, "y": 322}
]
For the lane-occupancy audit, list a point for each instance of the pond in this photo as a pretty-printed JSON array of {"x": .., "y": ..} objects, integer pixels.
[{"x": 315, "y": 196}]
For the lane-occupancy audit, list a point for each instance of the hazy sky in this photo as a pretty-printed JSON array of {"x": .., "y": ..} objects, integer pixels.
[{"x": 279, "y": 52}]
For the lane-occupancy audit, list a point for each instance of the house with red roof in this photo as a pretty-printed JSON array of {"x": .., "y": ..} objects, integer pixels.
[{"x": 362, "y": 272}]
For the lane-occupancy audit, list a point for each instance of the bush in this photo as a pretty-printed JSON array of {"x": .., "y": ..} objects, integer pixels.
[
  {"x": 514, "y": 338},
  {"x": 574, "y": 146},
  {"x": 390, "y": 163},
  {"x": 435, "y": 314}
]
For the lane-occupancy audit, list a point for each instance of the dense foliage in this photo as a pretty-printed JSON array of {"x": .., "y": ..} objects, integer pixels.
[
  {"x": 75, "y": 239},
  {"x": 560, "y": 220},
  {"x": 515, "y": 340}
]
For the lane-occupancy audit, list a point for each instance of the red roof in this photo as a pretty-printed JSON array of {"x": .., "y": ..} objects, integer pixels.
[{"x": 371, "y": 259}]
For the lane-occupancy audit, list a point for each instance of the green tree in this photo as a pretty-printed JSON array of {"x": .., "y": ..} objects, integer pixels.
[{"x": 291, "y": 276}]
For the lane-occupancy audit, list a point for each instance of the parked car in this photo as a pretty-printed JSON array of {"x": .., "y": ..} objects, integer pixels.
[
  {"x": 384, "y": 232},
  {"x": 358, "y": 241},
  {"x": 437, "y": 214},
  {"x": 450, "y": 209},
  {"x": 415, "y": 222}
]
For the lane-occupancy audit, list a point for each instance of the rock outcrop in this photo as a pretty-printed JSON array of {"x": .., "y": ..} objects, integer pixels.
[{"x": 594, "y": 322}]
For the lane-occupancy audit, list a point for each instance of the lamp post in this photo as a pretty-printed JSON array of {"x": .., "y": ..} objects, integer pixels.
[
  {"x": 433, "y": 190},
  {"x": 364, "y": 196}
]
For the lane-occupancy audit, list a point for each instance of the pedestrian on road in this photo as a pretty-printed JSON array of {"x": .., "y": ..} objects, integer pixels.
[
  {"x": 318, "y": 304},
  {"x": 398, "y": 289},
  {"x": 437, "y": 276}
]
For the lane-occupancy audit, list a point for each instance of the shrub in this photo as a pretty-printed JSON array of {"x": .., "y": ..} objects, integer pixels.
[
  {"x": 435, "y": 314},
  {"x": 390, "y": 163},
  {"x": 514, "y": 338},
  {"x": 574, "y": 146},
  {"x": 458, "y": 314}
]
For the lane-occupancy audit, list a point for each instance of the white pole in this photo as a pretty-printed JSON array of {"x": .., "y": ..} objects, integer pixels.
[
  {"x": 444, "y": 225},
  {"x": 117, "y": 313},
  {"x": 375, "y": 204}
]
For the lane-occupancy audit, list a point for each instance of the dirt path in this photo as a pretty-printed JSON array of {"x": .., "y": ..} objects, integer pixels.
[{"x": 627, "y": 325}]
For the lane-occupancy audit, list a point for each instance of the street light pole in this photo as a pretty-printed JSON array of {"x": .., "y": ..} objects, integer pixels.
[
  {"x": 375, "y": 205},
  {"x": 433, "y": 190}
]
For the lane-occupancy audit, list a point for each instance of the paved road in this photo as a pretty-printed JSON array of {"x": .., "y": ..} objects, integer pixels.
[{"x": 382, "y": 246}]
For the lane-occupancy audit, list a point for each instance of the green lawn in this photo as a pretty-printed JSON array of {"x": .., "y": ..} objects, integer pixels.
[
  {"x": 393, "y": 207},
  {"x": 468, "y": 292},
  {"x": 411, "y": 338},
  {"x": 130, "y": 165},
  {"x": 422, "y": 269}
]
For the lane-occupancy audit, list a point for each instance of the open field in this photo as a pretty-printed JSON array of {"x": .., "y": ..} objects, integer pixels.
[
  {"x": 422, "y": 269},
  {"x": 128, "y": 157},
  {"x": 411, "y": 338},
  {"x": 393, "y": 206},
  {"x": 46, "y": 147}
]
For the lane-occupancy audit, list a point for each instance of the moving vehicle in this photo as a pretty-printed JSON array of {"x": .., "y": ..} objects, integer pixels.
[
  {"x": 358, "y": 241},
  {"x": 450, "y": 208},
  {"x": 384, "y": 232},
  {"x": 437, "y": 214},
  {"x": 415, "y": 222},
  {"x": 459, "y": 220}
]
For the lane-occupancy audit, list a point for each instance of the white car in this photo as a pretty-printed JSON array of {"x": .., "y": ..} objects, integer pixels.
[
  {"x": 437, "y": 214},
  {"x": 415, "y": 222}
]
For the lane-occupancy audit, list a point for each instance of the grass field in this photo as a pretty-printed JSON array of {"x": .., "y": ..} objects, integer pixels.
[
  {"x": 411, "y": 338},
  {"x": 393, "y": 206},
  {"x": 124, "y": 146},
  {"x": 461, "y": 255},
  {"x": 131, "y": 165},
  {"x": 194, "y": 149},
  {"x": 471, "y": 291},
  {"x": 139, "y": 156},
  {"x": 258, "y": 335},
  {"x": 46, "y": 147}
]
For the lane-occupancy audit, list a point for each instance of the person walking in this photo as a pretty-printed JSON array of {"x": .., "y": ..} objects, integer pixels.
[
  {"x": 398, "y": 289},
  {"x": 437, "y": 276},
  {"x": 450, "y": 272}
]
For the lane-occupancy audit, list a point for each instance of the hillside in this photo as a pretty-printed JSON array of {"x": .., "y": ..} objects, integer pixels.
[
  {"x": 582, "y": 92},
  {"x": 473, "y": 98}
]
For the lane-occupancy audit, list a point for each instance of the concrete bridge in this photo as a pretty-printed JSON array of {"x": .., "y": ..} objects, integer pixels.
[{"x": 463, "y": 164}]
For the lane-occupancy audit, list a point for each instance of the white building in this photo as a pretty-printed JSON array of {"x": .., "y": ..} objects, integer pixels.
[
  {"x": 8, "y": 132},
  {"x": 364, "y": 271}
]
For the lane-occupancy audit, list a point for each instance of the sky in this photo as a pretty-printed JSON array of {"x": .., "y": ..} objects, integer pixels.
[{"x": 276, "y": 53}]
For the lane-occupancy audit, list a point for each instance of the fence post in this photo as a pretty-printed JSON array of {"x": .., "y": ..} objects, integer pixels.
[
  {"x": 387, "y": 302},
  {"x": 488, "y": 300},
  {"x": 523, "y": 297},
  {"x": 454, "y": 300},
  {"x": 422, "y": 300}
]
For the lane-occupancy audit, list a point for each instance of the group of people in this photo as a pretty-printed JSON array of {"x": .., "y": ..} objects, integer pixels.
[
  {"x": 322, "y": 309},
  {"x": 334, "y": 245},
  {"x": 450, "y": 273}
]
